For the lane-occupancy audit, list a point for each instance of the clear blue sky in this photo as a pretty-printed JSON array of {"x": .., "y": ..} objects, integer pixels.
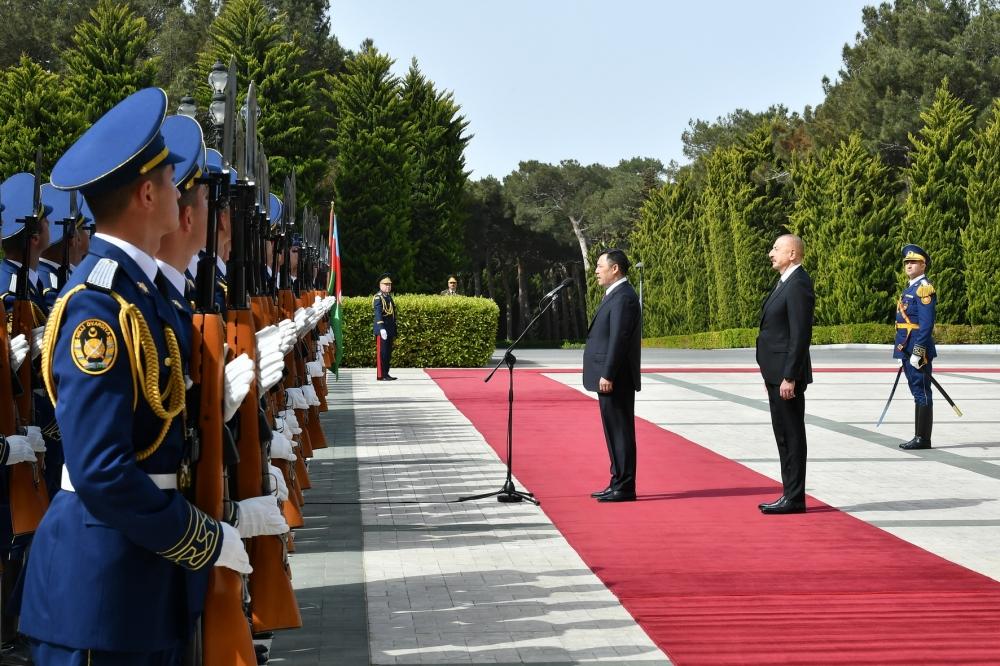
[{"x": 600, "y": 81}]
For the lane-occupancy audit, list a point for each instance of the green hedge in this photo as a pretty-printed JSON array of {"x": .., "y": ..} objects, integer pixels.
[
  {"x": 944, "y": 334},
  {"x": 434, "y": 332}
]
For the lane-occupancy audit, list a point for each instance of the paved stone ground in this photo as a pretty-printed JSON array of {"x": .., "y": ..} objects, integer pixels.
[{"x": 390, "y": 569}]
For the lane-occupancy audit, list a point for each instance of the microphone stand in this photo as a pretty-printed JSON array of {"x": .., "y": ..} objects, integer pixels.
[{"x": 509, "y": 492}]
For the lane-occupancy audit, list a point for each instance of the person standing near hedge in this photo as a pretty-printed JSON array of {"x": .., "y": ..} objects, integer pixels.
[
  {"x": 915, "y": 342},
  {"x": 452, "y": 289},
  {"x": 385, "y": 327}
]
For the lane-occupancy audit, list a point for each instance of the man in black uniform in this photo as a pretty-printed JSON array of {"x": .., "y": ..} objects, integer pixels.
[{"x": 385, "y": 327}]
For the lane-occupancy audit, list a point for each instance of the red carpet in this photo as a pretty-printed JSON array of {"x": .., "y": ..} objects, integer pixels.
[{"x": 709, "y": 578}]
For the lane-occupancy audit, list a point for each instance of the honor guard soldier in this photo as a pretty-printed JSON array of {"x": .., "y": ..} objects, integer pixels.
[
  {"x": 118, "y": 568},
  {"x": 18, "y": 194},
  {"x": 57, "y": 260},
  {"x": 213, "y": 164},
  {"x": 915, "y": 341},
  {"x": 385, "y": 327}
]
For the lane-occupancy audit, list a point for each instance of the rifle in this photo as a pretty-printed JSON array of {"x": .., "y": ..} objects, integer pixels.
[
  {"x": 272, "y": 600},
  {"x": 224, "y": 635},
  {"x": 29, "y": 497}
]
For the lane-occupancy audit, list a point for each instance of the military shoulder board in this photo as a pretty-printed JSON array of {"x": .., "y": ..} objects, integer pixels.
[
  {"x": 13, "y": 284},
  {"x": 102, "y": 276},
  {"x": 54, "y": 280}
]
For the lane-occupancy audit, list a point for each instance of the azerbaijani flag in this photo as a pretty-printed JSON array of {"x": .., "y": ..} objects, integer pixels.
[{"x": 334, "y": 288}]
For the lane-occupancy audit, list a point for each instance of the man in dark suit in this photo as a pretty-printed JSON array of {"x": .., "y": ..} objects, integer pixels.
[
  {"x": 786, "y": 321},
  {"x": 611, "y": 367}
]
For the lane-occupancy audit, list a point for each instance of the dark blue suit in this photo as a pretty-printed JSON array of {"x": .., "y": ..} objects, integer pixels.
[
  {"x": 613, "y": 349},
  {"x": 384, "y": 320},
  {"x": 119, "y": 565},
  {"x": 915, "y": 335},
  {"x": 49, "y": 277}
]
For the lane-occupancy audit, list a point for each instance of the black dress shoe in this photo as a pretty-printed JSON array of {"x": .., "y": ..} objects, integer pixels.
[
  {"x": 600, "y": 493},
  {"x": 915, "y": 443},
  {"x": 389, "y": 379},
  {"x": 784, "y": 505},
  {"x": 617, "y": 496},
  {"x": 774, "y": 503}
]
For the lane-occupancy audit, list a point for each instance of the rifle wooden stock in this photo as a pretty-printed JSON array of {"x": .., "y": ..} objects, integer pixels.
[
  {"x": 29, "y": 498},
  {"x": 272, "y": 601},
  {"x": 319, "y": 385},
  {"x": 225, "y": 635},
  {"x": 301, "y": 479},
  {"x": 290, "y": 507}
]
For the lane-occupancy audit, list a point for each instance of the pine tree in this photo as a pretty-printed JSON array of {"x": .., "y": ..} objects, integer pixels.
[
  {"x": 981, "y": 237},
  {"x": 35, "y": 111},
  {"x": 110, "y": 58},
  {"x": 438, "y": 178},
  {"x": 292, "y": 126},
  {"x": 936, "y": 210},
  {"x": 373, "y": 146},
  {"x": 713, "y": 214}
]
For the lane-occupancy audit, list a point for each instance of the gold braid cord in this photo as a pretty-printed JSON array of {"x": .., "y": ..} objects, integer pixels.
[{"x": 145, "y": 363}]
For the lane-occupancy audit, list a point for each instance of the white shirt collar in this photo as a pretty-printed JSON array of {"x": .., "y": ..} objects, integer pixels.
[
  {"x": 32, "y": 274},
  {"x": 221, "y": 266},
  {"x": 788, "y": 272},
  {"x": 146, "y": 263},
  {"x": 49, "y": 262},
  {"x": 193, "y": 266},
  {"x": 173, "y": 275},
  {"x": 615, "y": 284},
  {"x": 917, "y": 279}
]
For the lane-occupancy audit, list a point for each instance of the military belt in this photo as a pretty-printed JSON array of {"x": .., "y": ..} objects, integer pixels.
[
  {"x": 162, "y": 481},
  {"x": 907, "y": 326}
]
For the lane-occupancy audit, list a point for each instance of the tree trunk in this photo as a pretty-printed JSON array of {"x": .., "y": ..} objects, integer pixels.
[
  {"x": 578, "y": 232},
  {"x": 477, "y": 283},
  {"x": 490, "y": 288},
  {"x": 509, "y": 297},
  {"x": 522, "y": 295}
]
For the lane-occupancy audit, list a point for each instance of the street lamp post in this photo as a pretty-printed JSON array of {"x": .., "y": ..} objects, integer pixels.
[{"x": 218, "y": 77}]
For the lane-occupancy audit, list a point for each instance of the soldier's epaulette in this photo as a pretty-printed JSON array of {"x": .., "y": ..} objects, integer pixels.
[
  {"x": 925, "y": 289},
  {"x": 54, "y": 280},
  {"x": 102, "y": 276},
  {"x": 13, "y": 284}
]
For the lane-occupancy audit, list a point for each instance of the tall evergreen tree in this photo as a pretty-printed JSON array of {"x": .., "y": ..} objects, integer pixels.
[
  {"x": 110, "y": 58},
  {"x": 722, "y": 179},
  {"x": 35, "y": 111},
  {"x": 438, "y": 177},
  {"x": 292, "y": 126},
  {"x": 847, "y": 211},
  {"x": 981, "y": 237},
  {"x": 373, "y": 147},
  {"x": 936, "y": 210}
]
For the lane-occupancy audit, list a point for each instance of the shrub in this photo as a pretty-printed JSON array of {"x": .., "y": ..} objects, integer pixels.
[{"x": 434, "y": 332}]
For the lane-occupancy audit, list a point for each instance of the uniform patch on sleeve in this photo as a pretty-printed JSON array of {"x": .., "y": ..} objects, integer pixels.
[{"x": 94, "y": 347}]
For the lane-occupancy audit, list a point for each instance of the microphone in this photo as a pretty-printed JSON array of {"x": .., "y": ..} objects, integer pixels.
[
  {"x": 639, "y": 265},
  {"x": 565, "y": 283}
]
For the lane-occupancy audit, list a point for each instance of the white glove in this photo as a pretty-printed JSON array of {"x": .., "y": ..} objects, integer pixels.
[
  {"x": 260, "y": 516},
  {"x": 268, "y": 340},
  {"x": 33, "y": 435},
  {"x": 315, "y": 368},
  {"x": 291, "y": 423},
  {"x": 36, "y": 341},
  {"x": 233, "y": 555},
  {"x": 280, "y": 487},
  {"x": 915, "y": 360},
  {"x": 295, "y": 399},
  {"x": 310, "y": 395},
  {"x": 281, "y": 447},
  {"x": 384, "y": 335},
  {"x": 302, "y": 321},
  {"x": 18, "y": 351},
  {"x": 289, "y": 335},
  {"x": 19, "y": 450},
  {"x": 239, "y": 373}
]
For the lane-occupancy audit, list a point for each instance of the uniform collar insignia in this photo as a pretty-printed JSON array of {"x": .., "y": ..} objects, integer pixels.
[{"x": 142, "y": 287}]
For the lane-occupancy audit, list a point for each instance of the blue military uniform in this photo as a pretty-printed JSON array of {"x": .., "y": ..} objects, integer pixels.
[
  {"x": 915, "y": 312},
  {"x": 120, "y": 562},
  {"x": 59, "y": 219},
  {"x": 384, "y": 320}
]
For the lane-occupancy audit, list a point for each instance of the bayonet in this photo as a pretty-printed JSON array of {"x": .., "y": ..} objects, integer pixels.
[{"x": 227, "y": 127}]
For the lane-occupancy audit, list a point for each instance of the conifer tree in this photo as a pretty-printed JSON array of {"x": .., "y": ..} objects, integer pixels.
[
  {"x": 109, "y": 59},
  {"x": 713, "y": 214},
  {"x": 373, "y": 147},
  {"x": 981, "y": 237},
  {"x": 35, "y": 111},
  {"x": 936, "y": 210},
  {"x": 438, "y": 177},
  {"x": 291, "y": 125}
]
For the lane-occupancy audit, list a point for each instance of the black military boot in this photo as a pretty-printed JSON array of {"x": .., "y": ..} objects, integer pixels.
[{"x": 924, "y": 422}]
